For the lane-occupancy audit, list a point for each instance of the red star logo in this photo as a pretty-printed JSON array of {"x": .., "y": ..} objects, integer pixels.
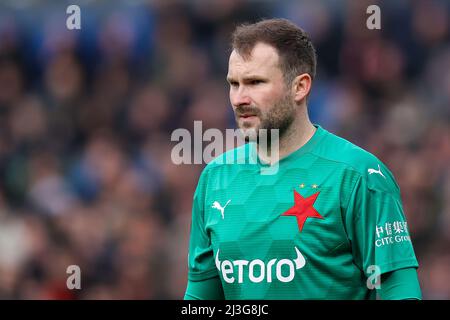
[{"x": 303, "y": 209}]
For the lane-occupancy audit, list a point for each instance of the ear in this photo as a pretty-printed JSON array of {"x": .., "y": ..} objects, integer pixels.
[{"x": 301, "y": 86}]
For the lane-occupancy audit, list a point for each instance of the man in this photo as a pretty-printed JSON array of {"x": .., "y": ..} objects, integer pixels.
[{"x": 326, "y": 225}]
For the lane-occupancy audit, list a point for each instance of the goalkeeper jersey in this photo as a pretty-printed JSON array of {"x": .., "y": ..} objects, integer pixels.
[{"x": 328, "y": 220}]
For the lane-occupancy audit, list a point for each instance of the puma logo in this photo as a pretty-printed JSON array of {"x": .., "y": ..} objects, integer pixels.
[
  {"x": 216, "y": 205},
  {"x": 376, "y": 171}
]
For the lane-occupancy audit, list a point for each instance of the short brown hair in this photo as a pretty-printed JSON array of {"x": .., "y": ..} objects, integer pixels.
[{"x": 294, "y": 47}]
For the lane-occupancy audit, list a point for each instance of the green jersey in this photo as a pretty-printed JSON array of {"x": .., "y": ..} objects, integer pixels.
[{"x": 329, "y": 219}]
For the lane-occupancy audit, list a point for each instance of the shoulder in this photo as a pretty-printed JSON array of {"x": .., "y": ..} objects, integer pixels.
[
  {"x": 232, "y": 156},
  {"x": 227, "y": 161},
  {"x": 357, "y": 161}
]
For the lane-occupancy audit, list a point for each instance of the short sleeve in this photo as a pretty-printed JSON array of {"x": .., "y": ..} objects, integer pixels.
[
  {"x": 377, "y": 229},
  {"x": 201, "y": 264}
]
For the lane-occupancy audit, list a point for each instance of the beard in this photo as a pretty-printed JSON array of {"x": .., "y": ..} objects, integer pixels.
[{"x": 280, "y": 116}]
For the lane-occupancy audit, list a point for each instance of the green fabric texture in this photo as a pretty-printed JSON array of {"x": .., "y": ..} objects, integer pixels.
[{"x": 312, "y": 229}]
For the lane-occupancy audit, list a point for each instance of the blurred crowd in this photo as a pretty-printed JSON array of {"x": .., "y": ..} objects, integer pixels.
[{"x": 86, "y": 117}]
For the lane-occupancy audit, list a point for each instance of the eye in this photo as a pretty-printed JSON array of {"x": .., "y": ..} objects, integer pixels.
[
  {"x": 256, "y": 82},
  {"x": 234, "y": 84}
]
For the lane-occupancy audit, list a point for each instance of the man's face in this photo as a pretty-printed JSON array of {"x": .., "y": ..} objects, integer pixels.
[{"x": 258, "y": 93}]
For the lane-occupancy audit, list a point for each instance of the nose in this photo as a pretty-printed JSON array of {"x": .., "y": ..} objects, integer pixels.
[{"x": 239, "y": 97}]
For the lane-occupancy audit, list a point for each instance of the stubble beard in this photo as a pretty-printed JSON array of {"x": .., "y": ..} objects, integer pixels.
[{"x": 280, "y": 116}]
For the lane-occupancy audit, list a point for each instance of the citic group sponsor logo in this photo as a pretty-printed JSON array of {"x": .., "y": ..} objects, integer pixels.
[{"x": 391, "y": 233}]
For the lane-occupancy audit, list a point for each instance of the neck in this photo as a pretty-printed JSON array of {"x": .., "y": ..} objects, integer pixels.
[{"x": 296, "y": 136}]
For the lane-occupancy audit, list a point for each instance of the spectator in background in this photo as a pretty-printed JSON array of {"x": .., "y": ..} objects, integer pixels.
[{"x": 86, "y": 118}]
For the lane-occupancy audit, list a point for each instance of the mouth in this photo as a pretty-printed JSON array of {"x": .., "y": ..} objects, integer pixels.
[{"x": 246, "y": 116}]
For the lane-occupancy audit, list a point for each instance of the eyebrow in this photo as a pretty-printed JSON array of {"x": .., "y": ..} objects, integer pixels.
[{"x": 247, "y": 78}]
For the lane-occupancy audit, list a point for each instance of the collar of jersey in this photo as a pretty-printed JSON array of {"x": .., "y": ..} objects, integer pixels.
[{"x": 307, "y": 147}]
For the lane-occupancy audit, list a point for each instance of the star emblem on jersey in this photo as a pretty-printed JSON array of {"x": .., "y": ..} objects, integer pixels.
[{"x": 303, "y": 209}]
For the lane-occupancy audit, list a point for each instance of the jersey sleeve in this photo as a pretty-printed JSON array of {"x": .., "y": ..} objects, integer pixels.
[
  {"x": 376, "y": 226},
  {"x": 210, "y": 289},
  {"x": 400, "y": 284},
  {"x": 201, "y": 264}
]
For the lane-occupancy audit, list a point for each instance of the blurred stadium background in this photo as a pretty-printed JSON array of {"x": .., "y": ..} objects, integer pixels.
[{"x": 86, "y": 117}]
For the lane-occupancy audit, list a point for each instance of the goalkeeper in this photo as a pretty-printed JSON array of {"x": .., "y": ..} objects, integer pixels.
[{"x": 328, "y": 225}]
